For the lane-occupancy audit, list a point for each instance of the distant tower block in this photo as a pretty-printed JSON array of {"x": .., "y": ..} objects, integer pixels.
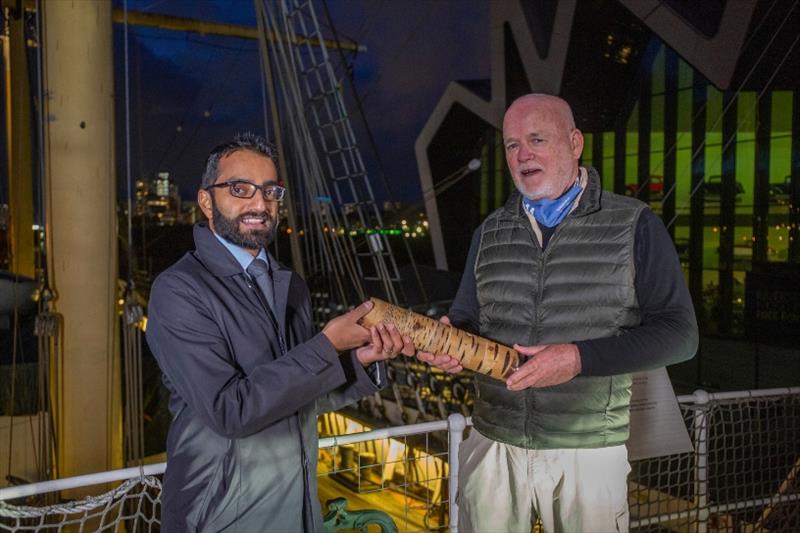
[{"x": 474, "y": 352}]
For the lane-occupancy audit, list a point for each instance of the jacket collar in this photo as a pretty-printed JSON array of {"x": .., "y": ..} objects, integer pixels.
[
  {"x": 221, "y": 263},
  {"x": 213, "y": 254},
  {"x": 589, "y": 202},
  {"x": 218, "y": 259}
]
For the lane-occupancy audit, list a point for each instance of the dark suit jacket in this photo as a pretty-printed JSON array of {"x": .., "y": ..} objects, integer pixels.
[{"x": 242, "y": 448}]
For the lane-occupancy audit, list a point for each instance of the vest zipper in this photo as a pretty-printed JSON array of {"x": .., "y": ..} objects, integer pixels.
[
  {"x": 532, "y": 335},
  {"x": 542, "y": 262}
]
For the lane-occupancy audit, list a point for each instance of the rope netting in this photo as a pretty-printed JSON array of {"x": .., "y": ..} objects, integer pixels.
[
  {"x": 754, "y": 464},
  {"x": 135, "y": 505},
  {"x": 743, "y": 474}
]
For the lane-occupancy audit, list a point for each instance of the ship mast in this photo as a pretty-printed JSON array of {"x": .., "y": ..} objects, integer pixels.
[{"x": 81, "y": 229}]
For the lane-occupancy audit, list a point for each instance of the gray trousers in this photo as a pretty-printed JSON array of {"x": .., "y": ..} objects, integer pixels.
[{"x": 502, "y": 488}]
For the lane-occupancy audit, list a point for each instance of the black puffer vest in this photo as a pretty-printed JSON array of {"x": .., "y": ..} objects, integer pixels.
[{"x": 580, "y": 287}]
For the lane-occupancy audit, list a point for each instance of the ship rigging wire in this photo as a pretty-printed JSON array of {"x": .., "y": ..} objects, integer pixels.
[
  {"x": 132, "y": 311},
  {"x": 335, "y": 261},
  {"x": 49, "y": 322},
  {"x": 349, "y": 75}
]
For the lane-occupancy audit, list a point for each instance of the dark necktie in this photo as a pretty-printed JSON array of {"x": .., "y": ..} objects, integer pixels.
[{"x": 259, "y": 270}]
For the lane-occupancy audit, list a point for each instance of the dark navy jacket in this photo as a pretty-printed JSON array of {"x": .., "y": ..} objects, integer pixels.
[{"x": 242, "y": 448}]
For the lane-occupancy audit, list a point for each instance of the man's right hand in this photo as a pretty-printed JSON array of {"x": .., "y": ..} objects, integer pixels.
[
  {"x": 443, "y": 361},
  {"x": 344, "y": 331}
]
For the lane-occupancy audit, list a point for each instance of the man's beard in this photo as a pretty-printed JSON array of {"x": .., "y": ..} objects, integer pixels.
[{"x": 228, "y": 229}]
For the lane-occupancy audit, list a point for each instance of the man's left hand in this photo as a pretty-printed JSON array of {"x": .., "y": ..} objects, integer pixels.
[
  {"x": 550, "y": 364},
  {"x": 386, "y": 343}
]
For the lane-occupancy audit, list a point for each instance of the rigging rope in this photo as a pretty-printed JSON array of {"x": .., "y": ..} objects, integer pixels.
[
  {"x": 338, "y": 262},
  {"x": 262, "y": 79},
  {"x": 47, "y": 327},
  {"x": 373, "y": 145},
  {"x": 128, "y": 142},
  {"x": 12, "y": 399},
  {"x": 49, "y": 332},
  {"x": 132, "y": 312},
  {"x": 134, "y": 409},
  {"x": 340, "y": 158}
]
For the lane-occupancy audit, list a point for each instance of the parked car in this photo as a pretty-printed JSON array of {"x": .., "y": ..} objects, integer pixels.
[
  {"x": 780, "y": 193},
  {"x": 655, "y": 185},
  {"x": 713, "y": 189}
]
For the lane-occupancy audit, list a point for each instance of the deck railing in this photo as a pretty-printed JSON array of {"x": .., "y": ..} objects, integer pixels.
[{"x": 742, "y": 475}]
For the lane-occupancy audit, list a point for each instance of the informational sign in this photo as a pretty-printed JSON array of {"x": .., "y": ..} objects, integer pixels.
[{"x": 657, "y": 427}]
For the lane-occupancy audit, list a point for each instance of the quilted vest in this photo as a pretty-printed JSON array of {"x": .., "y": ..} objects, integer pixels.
[{"x": 580, "y": 287}]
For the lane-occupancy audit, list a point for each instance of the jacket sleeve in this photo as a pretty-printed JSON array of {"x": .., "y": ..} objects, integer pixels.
[
  {"x": 200, "y": 369},
  {"x": 668, "y": 331},
  {"x": 359, "y": 384}
]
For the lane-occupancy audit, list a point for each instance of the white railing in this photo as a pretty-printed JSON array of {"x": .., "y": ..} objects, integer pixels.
[
  {"x": 77, "y": 482},
  {"x": 743, "y": 474},
  {"x": 99, "y": 508}
]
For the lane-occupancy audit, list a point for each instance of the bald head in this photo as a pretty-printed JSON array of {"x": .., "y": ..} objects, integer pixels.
[
  {"x": 542, "y": 145},
  {"x": 557, "y": 107}
]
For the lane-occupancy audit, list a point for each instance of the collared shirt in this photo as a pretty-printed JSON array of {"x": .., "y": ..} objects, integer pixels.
[{"x": 243, "y": 257}]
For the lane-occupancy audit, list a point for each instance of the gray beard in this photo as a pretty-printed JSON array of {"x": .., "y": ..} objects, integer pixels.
[{"x": 228, "y": 229}]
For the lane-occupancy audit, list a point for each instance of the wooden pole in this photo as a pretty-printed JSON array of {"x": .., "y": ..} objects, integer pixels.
[{"x": 80, "y": 198}]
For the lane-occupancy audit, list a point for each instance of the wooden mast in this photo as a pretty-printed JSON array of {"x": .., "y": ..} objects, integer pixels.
[{"x": 80, "y": 206}]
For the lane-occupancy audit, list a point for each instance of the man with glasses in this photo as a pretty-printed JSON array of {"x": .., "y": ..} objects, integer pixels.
[{"x": 232, "y": 331}]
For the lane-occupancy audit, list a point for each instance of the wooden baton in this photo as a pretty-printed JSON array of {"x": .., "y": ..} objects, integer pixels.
[{"x": 429, "y": 335}]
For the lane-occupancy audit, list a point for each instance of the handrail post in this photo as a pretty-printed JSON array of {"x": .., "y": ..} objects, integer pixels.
[
  {"x": 700, "y": 426},
  {"x": 455, "y": 427}
]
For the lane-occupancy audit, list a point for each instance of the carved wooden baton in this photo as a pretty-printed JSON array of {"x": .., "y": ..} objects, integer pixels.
[{"x": 429, "y": 335}]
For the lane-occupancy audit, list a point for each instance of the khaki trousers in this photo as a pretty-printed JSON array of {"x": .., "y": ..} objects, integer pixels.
[{"x": 502, "y": 488}]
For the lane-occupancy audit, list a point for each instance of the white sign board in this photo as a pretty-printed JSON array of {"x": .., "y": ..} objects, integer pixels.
[{"x": 657, "y": 427}]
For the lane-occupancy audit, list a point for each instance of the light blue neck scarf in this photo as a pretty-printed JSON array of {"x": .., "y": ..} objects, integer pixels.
[{"x": 550, "y": 213}]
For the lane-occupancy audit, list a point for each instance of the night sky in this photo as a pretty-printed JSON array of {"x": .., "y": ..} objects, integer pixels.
[{"x": 189, "y": 92}]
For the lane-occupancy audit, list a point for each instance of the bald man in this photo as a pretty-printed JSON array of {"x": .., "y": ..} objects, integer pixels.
[{"x": 588, "y": 286}]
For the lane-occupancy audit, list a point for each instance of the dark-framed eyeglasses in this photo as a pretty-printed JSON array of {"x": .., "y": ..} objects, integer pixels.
[{"x": 246, "y": 190}]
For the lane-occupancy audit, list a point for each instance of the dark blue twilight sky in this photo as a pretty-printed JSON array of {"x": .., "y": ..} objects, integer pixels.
[{"x": 189, "y": 92}]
